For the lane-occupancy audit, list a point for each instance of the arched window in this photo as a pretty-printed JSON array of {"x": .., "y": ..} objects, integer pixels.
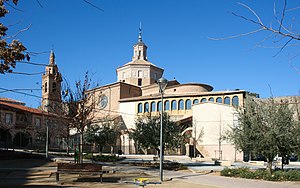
[
  {"x": 196, "y": 101},
  {"x": 188, "y": 104},
  {"x": 226, "y": 100},
  {"x": 174, "y": 105},
  {"x": 46, "y": 87},
  {"x": 140, "y": 82},
  {"x": 159, "y": 106},
  {"x": 167, "y": 105},
  {"x": 180, "y": 104},
  {"x": 146, "y": 107},
  {"x": 235, "y": 101},
  {"x": 211, "y": 99},
  {"x": 219, "y": 100},
  {"x": 140, "y": 108},
  {"x": 203, "y": 100},
  {"x": 153, "y": 107},
  {"x": 54, "y": 87}
]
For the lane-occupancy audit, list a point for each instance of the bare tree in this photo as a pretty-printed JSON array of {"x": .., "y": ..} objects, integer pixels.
[
  {"x": 79, "y": 107},
  {"x": 281, "y": 31}
]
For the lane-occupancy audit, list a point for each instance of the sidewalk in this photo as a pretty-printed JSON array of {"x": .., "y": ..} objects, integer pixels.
[{"x": 24, "y": 173}]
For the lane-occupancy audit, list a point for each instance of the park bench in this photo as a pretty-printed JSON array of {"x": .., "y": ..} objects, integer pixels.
[{"x": 80, "y": 169}]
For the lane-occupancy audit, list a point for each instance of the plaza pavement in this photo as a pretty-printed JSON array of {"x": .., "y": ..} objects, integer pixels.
[{"x": 37, "y": 173}]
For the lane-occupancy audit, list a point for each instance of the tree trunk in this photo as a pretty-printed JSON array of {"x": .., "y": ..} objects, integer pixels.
[
  {"x": 157, "y": 151},
  {"x": 100, "y": 150},
  {"x": 80, "y": 148},
  {"x": 269, "y": 166},
  {"x": 68, "y": 142}
]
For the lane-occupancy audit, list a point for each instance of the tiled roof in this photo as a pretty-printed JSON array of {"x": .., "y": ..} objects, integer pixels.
[
  {"x": 24, "y": 108},
  {"x": 140, "y": 62},
  {"x": 3, "y": 99}
]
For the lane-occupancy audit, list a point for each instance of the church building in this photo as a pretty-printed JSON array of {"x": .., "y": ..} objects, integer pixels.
[{"x": 135, "y": 93}]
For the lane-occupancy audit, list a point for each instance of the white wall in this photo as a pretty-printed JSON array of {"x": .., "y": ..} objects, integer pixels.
[
  {"x": 215, "y": 119},
  {"x": 128, "y": 112}
]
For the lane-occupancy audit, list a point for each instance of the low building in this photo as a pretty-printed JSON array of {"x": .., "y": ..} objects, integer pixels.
[{"x": 25, "y": 127}]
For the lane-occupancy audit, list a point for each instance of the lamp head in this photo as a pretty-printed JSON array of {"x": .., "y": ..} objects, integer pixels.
[{"x": 162, "y": 84}]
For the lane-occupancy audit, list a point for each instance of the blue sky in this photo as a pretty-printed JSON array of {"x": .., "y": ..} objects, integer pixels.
[{"x": 177, "y": 35}]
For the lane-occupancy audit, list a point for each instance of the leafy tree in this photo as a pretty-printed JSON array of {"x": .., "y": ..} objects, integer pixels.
[
  {"x": 102, "y": 135},
  {"x": 12, "y": 52},
  {"x": 79, "y": 107},
  {"x": 147, "y": 132},
  {"x": 266, "y": 128}
]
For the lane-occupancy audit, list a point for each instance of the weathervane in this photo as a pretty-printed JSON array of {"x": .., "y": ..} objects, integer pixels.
[{"x": 140, "y": 32}]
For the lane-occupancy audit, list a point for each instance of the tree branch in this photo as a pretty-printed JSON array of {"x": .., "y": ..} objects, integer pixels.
[
  {"x": 93, "y": 5},
  {"x": 15, "y": 35},
  {"x": 235, "y": 36},
  {"x": 283, "y": 14}
]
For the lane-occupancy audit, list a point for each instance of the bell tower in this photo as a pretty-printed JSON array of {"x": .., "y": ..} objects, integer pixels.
[
  {"x": 139, "y": 72},
  {"x": 51, "y": 89},
  {"x": 140, "y": 49}
]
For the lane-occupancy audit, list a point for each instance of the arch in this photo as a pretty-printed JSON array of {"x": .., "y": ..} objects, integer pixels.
[
  {"x": 167, "y": 105},
  {"x": 227, "y": 100},
  {"x": 140, "y": 82},
  {"x": 5, "y": 138},
  {"x": 235, "y": 101},
  {"x": 40, "y": 138},
  {"x": 203, "y": 100},
  {"x": 146, "y": 107},
  {"x": 153, "y": 105},
  {"x": 174, "y": 105},
  {"x": 22, "y": 139},
  {"x": 219, "y": 100},
  {"x": 196, "y": 101},
  {"x": 180, "y": 105},
  {"x": 58, "y": 141},
  {"x": 159, "y": 106},
  {"x": 188, "y": 104},
  {"x": 46, "y": 87},
  {"x": 211, "y": 99},
  {"x": 140, "y": 108}
]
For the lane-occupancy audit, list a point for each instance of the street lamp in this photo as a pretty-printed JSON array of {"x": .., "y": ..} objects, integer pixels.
[
  {"x": 162, "y": 84},
  {"x": 47, "y": 139}
]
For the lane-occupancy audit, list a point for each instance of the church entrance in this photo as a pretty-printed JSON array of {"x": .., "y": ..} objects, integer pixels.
[{"x": 5, "y": 139}]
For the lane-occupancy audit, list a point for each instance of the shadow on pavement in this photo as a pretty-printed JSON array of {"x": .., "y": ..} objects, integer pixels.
[
  {"x": 96, "y": 179},
  {"x": 193, "y": 175},
  {"x": 19, "y": 168}
]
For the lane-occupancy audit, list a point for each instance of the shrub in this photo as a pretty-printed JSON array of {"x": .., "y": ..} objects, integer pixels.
[
  {"x": 279, "y": 175},
  {"x": 292, "y": 175},
  {"x": 101, "y": 158},
  {"x": 175, "y": 166},
  {"x": 235, "y": 172}
]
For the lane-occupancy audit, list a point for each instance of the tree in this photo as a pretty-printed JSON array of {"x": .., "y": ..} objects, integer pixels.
[
  {"x": 102, "y": 135},
  {"x": 281, "y": 32},
  {"x": 147, "y": 133},
  {"x": 266, "y": 128},
  {"x": 79, "y": 107},
  {"x": 12, "y": 52}
]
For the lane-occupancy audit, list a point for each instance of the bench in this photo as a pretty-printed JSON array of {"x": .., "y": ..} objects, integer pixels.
[{"x": 81, "y": 169}]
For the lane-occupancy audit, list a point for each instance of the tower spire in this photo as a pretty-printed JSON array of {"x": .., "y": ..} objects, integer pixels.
[
  {"x": 140, "y": 49},
  {"x": 52, "y": 58}
]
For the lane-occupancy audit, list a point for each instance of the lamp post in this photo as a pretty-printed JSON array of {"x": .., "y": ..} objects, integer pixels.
[
  {"x": 162, "y": 84},
  {"x": 47, "y": 139}
]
